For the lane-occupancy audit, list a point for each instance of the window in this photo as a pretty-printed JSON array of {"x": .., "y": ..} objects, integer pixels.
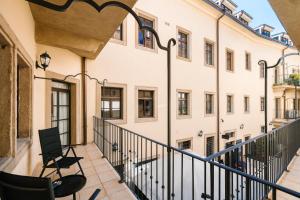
[
  {"x": 183, "y": 44},
  {"x": 209, "y": 103},
  {"x": 209, "y": 53},
  {"x": 229, "y": 104},
  {"x": 247, "y": 138},
  {"x": 183, "y": 103},
  {"x": 262, "y": 103},
  {"x": 244, "y": 21},
  {"x": 145, "y": 37},
  {"x": 118, "y": 34},
  {"x": 229, "y": 60},
  {"x": 261, "y": 71},
  {"x": 266, "y": 33},
  {"x": 246, "y": 104},
  {"x": 229, "y": 144},
  {"x": 277, "y": 108},
  {"x": 284, "y": 40},
  {"x": 210, "y": 145},
  {"x": 248, "y": 61},
  {"x": 146, "y": 103},
  {"x": 227, "y": 10},
  {"x": 183, "y": 145},
  {"x": 111, "y": 103}
]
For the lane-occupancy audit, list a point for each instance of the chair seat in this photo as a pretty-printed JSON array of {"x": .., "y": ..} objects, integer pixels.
[{"x": 65, "y": 162}]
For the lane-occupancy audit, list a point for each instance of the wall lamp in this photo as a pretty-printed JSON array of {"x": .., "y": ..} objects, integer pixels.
[
  {"x": 200, "y": 134},
  {"x": 242, "y": 126},
  {"x": 44, "y": 60}
]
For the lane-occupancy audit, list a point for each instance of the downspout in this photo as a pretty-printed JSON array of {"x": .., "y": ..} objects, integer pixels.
[
  {"x": 84, "y": 107},
  {"x": 218, "y": 79},
  {"x": 283, "y": 63}
]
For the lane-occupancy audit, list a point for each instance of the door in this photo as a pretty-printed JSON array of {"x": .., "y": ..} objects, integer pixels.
[{"x": 60, "y": 110}]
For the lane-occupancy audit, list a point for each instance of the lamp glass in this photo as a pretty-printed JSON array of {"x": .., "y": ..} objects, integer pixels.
[{"x": 45, "y": 59}]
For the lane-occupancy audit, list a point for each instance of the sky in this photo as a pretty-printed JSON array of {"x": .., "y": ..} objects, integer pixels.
[{"x": 262, "y": 13}]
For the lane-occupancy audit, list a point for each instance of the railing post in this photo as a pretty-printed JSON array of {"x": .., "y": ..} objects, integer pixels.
[
  {"x": 274, "y": 195},
  {"x": 121, "y": 155},
  {"x": 103, "y": 138},
  {"x": 248, "y": 189},
  {"x": 227, "y": 177},
  {"x": 212, "y": 181}
]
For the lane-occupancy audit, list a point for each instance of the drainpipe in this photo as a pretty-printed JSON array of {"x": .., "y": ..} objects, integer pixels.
[
  {"x": 218, "y": 79},
  {"x": 84, "y": 107},
  {"x": 283, "y": 62}
]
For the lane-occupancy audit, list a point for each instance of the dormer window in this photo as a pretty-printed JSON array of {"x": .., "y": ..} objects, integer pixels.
[
  {"x": 266, "y": 33},
  {"x": 284, "y": 40},
  {"x": 227, "y": 5},
  {"x": 244, "y": 17},
  {"x": 264, "y": 30}
]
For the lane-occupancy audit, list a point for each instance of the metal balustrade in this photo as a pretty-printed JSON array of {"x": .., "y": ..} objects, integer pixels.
[
  {"x": 143, "y": 164},
  {"x": 266, "y": 156}
]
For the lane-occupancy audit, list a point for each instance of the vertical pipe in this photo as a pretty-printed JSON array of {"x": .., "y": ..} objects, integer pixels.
[
  {"x": 218, "y": 80},
  {"x": 266, "y": 97},
  {"x": 84, "y": 113}
]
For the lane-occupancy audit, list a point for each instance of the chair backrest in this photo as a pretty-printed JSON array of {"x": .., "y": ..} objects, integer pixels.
[
  {"x": 50, "y": 144},
  {"x": 16, "y": 187}
]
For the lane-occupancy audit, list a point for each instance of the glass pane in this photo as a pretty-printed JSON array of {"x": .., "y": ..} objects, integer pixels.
[
  {"x": 54, "y": 113},
  {"x": 63, "y": 98},
  {"x": 54, "y": 97},
  {"x": 63, "y": 112},
  {"x": 54, "y": 124},
  {"x": 63, "y": 126},
  {"x": 60, "y": 85}
]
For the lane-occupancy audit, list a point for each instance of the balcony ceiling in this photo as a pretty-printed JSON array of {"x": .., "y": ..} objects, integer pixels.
[
  {"x": 289, "y": 15},
  {"x": 80, "y": 28}
]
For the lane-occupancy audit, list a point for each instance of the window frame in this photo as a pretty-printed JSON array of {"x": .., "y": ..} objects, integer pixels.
[
  {"x": 144, "y": 99},
  {"x": 124, "y": 35},
  {"x": 232, "y": 68},
  {"x": 232, "y": 103},
  {"x": 261, "y": 71},
  {"x": 205, "y": 142},
  {"x": 155, "y": 104},
  {"x": 124, "y": 103},
  {"x": 213, "y": 103},
  {"x": 262, "y": 106},
  {"x": 189, "y": 44},
  {"x": 185, "y": 140},
  {"x": 246, "y": 101},
  {"x": 189, "y": 104},
  {"x": 248, "y": 63},
  {"x": 207, "y": 41},
  {"x": 152, "y": 18},
  {"x": 110, "y": 100}
]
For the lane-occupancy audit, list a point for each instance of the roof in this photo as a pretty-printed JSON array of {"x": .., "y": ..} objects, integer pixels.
[
  {"x": 245, "y": 13},
  {"x": 264, "y": 26},
  {"x": 215, "y": 6}
]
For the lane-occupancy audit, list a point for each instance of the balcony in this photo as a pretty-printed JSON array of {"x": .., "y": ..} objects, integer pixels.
[
  {"x": 150, "y": 169},
  {"x": 99, "y": 174}
]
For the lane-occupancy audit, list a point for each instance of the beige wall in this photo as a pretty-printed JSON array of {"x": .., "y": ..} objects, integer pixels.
[{"x": 134, "y": 67}]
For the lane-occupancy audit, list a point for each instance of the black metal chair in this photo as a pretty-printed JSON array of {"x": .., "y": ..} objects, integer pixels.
[
  {"x": 16, "y": 187},
  {"x": 52, "y": 152}
]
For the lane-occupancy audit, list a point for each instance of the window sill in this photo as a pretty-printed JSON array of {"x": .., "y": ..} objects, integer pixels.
[
  {"x": 210, "y": 66},
  {"x": 184, "y": 116},
  {"x": 183, "y": 58},
  {"x": 120, "y": 42},
  {"x": 209, "y": 115},
  {"x": 9, "y": 163},
  {"x": 142, "y": 120},
  {"x": 154, "y": 50}
]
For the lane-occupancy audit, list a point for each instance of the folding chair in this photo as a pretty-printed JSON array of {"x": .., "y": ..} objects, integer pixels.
[{"x": 52, "y": 152}]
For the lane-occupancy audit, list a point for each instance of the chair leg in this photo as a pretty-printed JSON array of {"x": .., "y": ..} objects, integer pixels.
[
  {"x": 74, "y": 196},
  {"x": 77, "y": 161},
  {"x": 57, "y": 168},
  {"x": 42, "y": 172}
]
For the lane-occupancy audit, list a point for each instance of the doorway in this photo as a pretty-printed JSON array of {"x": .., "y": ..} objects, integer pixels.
[{"x": 60, "y": 110}]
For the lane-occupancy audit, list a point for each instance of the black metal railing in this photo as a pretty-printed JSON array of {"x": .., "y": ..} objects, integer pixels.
[
  {"x": 266, "y": 156},
  {"x": 292, "y": 114},
  {"x": 143, "y": 164}
]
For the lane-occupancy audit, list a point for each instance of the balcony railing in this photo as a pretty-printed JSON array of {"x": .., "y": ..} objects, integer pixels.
[
  {"x": 152, "y": 170},
  {"x": 291, "y": 114},
  {"x": 266, "y": 156}
]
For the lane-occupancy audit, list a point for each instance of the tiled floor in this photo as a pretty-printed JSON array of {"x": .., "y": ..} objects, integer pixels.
[
  {"x": 291, "y": 179},
  {"x": 99, "y": 174}
]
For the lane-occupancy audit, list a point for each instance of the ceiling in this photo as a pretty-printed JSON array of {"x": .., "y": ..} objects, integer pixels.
[{"x": 80, "y": 28}]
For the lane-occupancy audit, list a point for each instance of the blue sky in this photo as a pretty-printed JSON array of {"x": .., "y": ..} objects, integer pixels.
[{"x": 262, "y": 13}]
